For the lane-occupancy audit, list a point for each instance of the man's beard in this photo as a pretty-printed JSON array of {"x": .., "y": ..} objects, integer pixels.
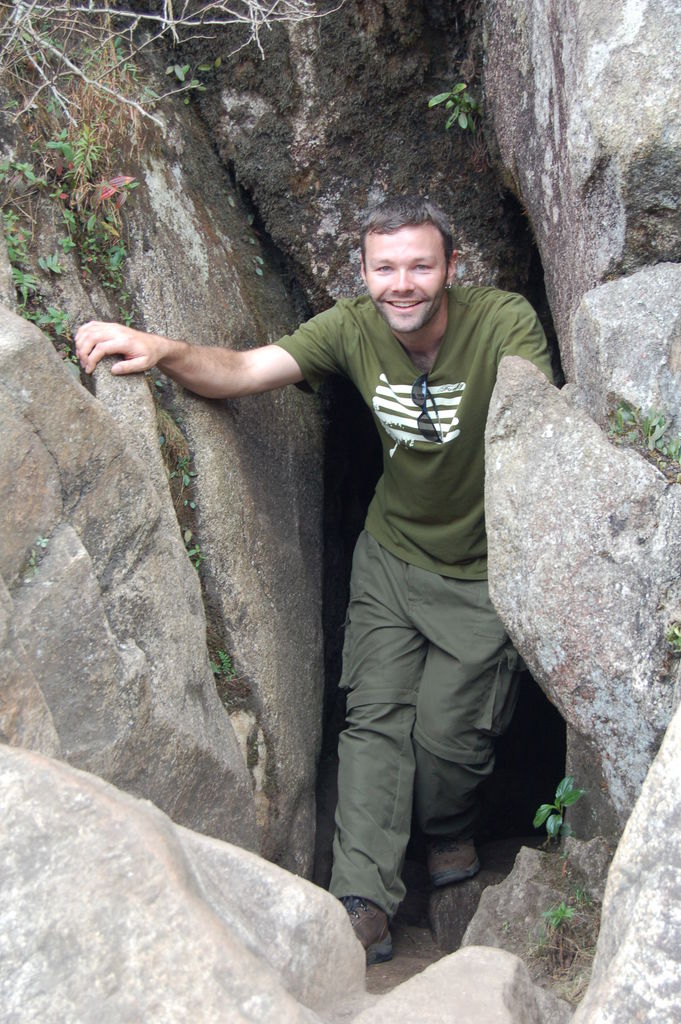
[{"x": 423, "y": 313}]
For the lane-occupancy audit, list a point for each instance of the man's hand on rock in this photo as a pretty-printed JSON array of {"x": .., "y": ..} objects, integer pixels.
[{"x": 140, "y": 351}]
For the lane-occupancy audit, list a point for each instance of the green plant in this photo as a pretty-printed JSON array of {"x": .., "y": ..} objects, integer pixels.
[
  {"x": 624, "y": 420},
  {"x": 566, "y": 945},
  {"x": 74, "y": 159},
  {"x": 85, "y": 117},
  {"x": 232, "y": 689},
  {"x": 50, "y": 264},
  {"x": 25, "y": 283},
  {"x": 29, "y": 174},
  {"x": 553, "y": 815},
  {"x": 16, "y": 240},
  {"x": 462, "y": 105},
  {"x": 67, "y": 244},
  {"x": 80, "y": 224},
  {"x": 193, "y": 549},
  {"x": 73, "y": 81},
  {"x": 127, "y": 312},
  {"x": 34, "y": 556},
  {"x": 55, "y": 320},
  {"x": 654, "y": 429},
  {"x": 558, "y": 915},
  {"x": 582, "y": 897},
  {"x": 223, "y": 667},
  {"x": 673, "y": 637},
  {"x": 92, "y": 198},
  {"x": 650, "y": 434},
  {"x": 182, "y": 73},
  {"x": 185, "y": 476},
  {"x": 77, "y": 154},
  {"x": 195, "y": 555}
]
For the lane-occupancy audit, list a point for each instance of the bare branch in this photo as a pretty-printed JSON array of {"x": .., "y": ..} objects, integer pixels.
[
  {"x": 79, "y": 73},
  {"x": 34, "y": 34},
  {"x": 47, "y": 84}
]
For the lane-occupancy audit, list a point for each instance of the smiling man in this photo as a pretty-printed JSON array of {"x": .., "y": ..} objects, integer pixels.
[
  {"x": 406, "y": 278},
  {"x": 427, "y": 665}
]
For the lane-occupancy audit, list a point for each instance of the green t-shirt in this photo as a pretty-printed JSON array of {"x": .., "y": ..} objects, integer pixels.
[{"x": 428, "y": 508}]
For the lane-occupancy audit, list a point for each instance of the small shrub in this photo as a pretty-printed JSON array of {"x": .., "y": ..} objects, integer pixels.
[
  {"x": 558, "y": 915},
  {"x": 553, "y": 815},
  {"x": 462, "y": 107},
  {"x": 565, "y": 947},
  {"x": 649, "y": 434}
]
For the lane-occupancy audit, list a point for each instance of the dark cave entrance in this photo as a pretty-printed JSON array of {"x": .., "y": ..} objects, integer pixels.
[{"x": 530, "y": 757}]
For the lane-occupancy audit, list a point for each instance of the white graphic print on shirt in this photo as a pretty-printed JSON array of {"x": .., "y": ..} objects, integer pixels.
[{"x": 395, "y": 408}]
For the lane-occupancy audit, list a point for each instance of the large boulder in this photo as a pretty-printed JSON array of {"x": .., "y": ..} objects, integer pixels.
[
  {"x": 111, "y": 913},
  {"x": 258, "y": 488},
  {"x": 585, "y": 103},
  {"x": 512, "y": 914},
  {"x": 585, "y": 552},
  {"x": 509, "y": 914},
  {"x": 196, "y": 268},
  {"x": 637, "y": 970},
  {"x": 473, "y": 986},
  {"x": 258, "y": 492},
  {"x": 626, "y": 345},
  {"x": 104, "y": 657}
]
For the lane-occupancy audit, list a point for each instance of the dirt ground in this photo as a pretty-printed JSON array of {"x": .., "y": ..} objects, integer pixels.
[{"x": 413, "y": 951}]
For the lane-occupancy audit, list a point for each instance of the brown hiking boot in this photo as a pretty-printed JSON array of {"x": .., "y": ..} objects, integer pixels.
[
  {"x": 452, "y": 860},
  {"x": 370, "y": 925}
]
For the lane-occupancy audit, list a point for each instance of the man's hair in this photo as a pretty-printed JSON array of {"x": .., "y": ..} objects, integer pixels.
[{"x": 405, "y": 212}]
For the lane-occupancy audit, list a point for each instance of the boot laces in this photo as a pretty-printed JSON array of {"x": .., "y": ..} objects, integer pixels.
[{"x": 353, "y": 904}]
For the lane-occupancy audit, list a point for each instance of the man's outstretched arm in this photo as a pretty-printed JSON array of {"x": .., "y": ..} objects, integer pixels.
[{"x": 207, "y": 370}]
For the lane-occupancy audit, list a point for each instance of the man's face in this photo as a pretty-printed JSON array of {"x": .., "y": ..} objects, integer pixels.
[{"x": 405, "y": 274}]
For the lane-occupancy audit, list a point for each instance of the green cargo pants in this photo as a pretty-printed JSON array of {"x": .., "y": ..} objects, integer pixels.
[{"x": 430, "y": 677}]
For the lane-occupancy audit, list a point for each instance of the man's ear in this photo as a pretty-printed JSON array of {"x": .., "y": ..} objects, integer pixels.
[
  {"x": 451, "y": 267},
  {"x": 361, "y": 265}
]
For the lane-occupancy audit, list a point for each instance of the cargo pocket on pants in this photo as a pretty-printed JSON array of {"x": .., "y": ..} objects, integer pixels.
[{"x": 496, "y": 713}]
